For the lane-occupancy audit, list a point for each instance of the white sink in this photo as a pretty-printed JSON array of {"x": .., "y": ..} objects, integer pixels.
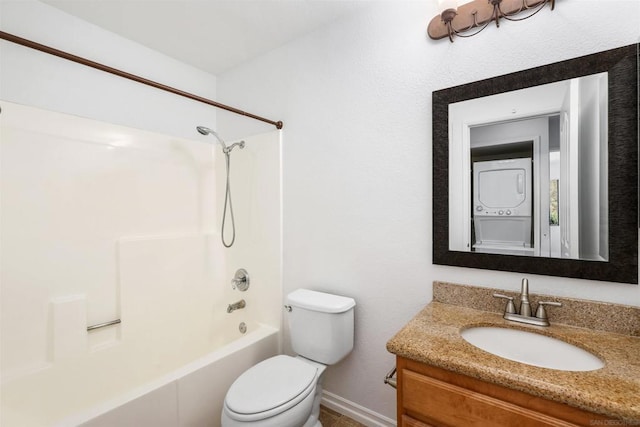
[{"x": 531, "y": 348}]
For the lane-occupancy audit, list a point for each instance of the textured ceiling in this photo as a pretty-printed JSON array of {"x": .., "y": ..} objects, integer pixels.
[{"x": 213, "y": 35}]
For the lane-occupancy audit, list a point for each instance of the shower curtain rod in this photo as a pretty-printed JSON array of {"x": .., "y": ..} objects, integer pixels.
[{"x": 80, "y": 60}]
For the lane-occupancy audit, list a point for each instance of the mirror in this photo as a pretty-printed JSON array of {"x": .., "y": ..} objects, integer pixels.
[
  {"x": 510, "y": 149},
  {"x": 536, "y": 171}
]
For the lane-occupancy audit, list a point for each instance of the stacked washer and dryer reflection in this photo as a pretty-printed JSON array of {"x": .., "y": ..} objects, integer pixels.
[{"x": 502, "y": 206}]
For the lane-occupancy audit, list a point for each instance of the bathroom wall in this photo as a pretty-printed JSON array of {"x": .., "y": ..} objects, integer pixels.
[
  {"x": 33, "y": 78},
  {"x": 355, "y": 98}
]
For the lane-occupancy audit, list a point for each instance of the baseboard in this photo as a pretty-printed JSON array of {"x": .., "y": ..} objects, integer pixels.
[{"x": 355, "y": 411}]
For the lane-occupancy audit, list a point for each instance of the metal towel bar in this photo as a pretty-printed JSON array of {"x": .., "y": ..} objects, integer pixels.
[
  {"x": 102, "y": 325},
  {"x": 388, "y": 379}
]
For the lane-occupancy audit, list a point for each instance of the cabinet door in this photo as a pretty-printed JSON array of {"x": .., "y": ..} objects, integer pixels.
[
  {"x": 448, "y": 404},
  {"x": 407, "y": 421}
]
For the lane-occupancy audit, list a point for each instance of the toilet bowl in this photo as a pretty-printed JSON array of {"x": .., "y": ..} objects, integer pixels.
[
  {"x": 277, "y": 392},
  {"x": 285, "y": 391}
]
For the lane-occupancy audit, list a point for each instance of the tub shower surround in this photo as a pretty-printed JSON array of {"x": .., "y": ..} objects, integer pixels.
[{"x": 102, "y": 223}]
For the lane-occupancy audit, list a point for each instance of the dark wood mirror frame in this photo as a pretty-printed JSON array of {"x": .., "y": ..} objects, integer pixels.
[{"x": 622, "y": 66}]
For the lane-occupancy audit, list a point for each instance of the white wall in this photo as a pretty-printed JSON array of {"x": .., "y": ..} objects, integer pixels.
[
  {"x": 590, "y": 167},
  {"x": 33, "y": 78},
  {"x": 355, "y": 98}
]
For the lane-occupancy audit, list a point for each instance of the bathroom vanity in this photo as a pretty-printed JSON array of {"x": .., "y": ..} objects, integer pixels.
[
  {"x": 431, "y": 396},
  {"x": 443, "y": 380}
]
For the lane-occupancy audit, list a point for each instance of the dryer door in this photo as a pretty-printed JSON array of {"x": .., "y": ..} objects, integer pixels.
[{"x": 502, "y": 187}]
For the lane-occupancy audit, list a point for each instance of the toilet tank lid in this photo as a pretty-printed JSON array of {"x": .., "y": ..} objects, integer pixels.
[{"x": 320, "y": 301}]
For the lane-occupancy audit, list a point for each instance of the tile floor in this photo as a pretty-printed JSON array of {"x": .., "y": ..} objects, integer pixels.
[{"x": 331, "y": 418}]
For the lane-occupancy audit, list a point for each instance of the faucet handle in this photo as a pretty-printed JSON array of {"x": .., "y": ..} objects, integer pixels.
[
  {"x": 510, "y": 308},
  {"x": 541, "y": 313},
  {"x": 240, "y": 280}
]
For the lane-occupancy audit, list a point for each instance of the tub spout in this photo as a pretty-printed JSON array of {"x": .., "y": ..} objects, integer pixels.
[{"x": 236, "y": 306}]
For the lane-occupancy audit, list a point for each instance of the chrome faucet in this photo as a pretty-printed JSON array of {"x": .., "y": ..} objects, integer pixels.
[
  {"x": 236, "y": 306},
  {"x": 525, "y": 307},
  {"x": 510, "y": 312}
]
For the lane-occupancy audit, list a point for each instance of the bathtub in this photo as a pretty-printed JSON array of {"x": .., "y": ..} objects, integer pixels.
[{"x": 109, "y": 390}]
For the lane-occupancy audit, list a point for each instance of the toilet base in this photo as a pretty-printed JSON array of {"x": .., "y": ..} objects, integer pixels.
[
  {"x": 314, "y": 418},
  {"x": 314, "y": 424}
]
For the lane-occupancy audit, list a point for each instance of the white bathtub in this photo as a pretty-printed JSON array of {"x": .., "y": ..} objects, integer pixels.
[{"x": 107, "y": 390}]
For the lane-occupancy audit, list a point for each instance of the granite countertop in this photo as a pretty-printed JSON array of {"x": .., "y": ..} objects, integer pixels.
[{"x": 433, "y": 337}]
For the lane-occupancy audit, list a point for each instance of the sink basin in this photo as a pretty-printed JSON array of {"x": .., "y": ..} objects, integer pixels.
[{"x": 532, "y": 349}]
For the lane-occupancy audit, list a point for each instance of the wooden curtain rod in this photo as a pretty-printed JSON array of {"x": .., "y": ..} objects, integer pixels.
[{"x": 135, "y": 78}]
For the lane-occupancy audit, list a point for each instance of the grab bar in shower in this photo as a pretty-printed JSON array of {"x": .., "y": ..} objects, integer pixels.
[{"x": 103, "y": 325}]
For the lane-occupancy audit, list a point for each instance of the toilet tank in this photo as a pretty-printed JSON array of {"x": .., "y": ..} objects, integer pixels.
[{"x": 320, "y": 325}]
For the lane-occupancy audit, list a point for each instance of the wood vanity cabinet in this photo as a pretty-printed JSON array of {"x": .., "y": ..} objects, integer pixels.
[{"x": 434, "y": 397}]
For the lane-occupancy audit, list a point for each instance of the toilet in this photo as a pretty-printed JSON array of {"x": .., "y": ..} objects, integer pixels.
[{"x": 285, "y": 391}]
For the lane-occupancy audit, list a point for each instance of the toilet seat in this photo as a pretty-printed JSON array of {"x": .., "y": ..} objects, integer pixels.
[{"x": 269, "y": 388}]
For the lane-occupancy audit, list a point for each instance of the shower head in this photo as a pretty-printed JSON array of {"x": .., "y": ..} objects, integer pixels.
[{"x": 206, "y": 131}]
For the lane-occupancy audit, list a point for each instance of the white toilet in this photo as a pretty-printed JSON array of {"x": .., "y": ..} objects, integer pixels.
[{"x": 285, "y": 391}]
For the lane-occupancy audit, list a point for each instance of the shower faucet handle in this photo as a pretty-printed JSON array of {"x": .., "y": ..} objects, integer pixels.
[{"x": 240, "y": 280}]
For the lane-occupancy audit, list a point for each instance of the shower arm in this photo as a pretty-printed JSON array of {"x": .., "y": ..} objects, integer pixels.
[{"x": 83, "y": 61}]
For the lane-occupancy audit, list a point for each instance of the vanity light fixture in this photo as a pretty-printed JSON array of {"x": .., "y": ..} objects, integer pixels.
[{"x": 477, "y": 14}]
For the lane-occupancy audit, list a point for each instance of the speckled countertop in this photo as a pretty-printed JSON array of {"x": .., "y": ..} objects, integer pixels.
[{"x": 433, "y": 337}]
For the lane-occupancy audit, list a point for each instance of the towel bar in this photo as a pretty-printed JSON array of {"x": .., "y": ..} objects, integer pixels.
[{"x": 102, "y": 325}]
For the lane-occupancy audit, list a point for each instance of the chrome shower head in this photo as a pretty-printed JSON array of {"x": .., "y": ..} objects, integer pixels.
[{"x": 206, "y": 131}]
